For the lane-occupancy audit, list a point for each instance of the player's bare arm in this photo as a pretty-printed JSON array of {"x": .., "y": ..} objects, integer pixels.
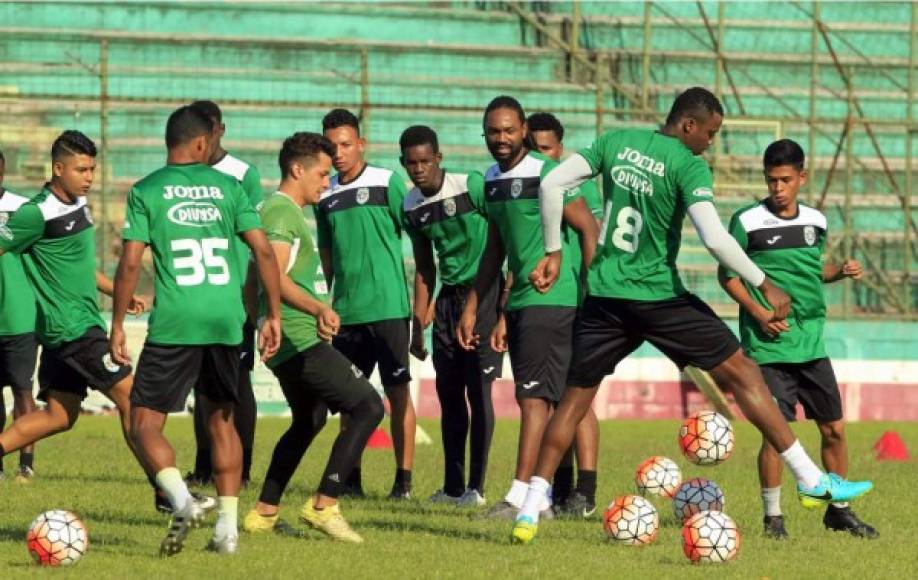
[
  {"x": 425, "y": 280},
  {"x": 578, "y": 216},
  {"x": 488, "y": 274},
  {"x": 294, "y": 296},
  {"x": 122, "y": 293},
  {"x": 269, "y": 335},
  {"x": 735, "y": 288},
  {"x": 138, "y": 304},
  {"x": 847, "y": 269}
]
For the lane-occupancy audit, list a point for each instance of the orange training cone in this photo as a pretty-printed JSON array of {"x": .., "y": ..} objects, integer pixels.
[
  {"x": 891, "y": 447},
  {"x": 379, "y": 440}
]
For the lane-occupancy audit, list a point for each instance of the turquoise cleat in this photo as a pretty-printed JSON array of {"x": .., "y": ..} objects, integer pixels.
[
  {"x": 524, "y": 531},
  {"x": 832, "y": 488}
]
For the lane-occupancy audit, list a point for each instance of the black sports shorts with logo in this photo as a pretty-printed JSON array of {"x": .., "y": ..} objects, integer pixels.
[
  {"x": 811, "y": 383},
  {"x": 18, "y": 353},
  {"x": 74, "y": 366},
  {"x": 383, "y": 343},
  {"x": 167, "y": 373},
  {"x": 683, "y": 328},
  {"x": 539, "y": 341}
]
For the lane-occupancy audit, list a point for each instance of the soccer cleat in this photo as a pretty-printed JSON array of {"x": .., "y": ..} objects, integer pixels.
[
  {"x": 205, "y": 502},
  {"x": 773, "y": 527},
  {"x": 831, "y": 488},
  {"x": 227, "y": 546},
  {"x": 194, "y": 479},
  {"x": 329, "y": 521},
  {"x": 255, "y": 523},
  {"x": 524, "y": 531},
  {"x": 844, "y": 520},
  {"x": 576, "y": 505},
  {"x": 441, "y": 496},
  {"x": 471, "y": 498},
  {"x": 400, "y": 492},
  {"x": 182, "y": 522},
  {"x": 502, "y": 510},
  {"x": 24, "y": 474}
]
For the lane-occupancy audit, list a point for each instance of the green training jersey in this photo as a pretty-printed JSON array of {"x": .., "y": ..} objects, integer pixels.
[
  {"x": 649, "y": 181},
  {"x": 248, "y": 176},
  {"x": 590, "y": 193},
  {"x": 190, "y": 216},
  {"x": 17, "y": 301},
  {"x": 285, "y": 222},
  {"x": 513, "y": 206},
  {"x": 789, "y": 251},
  {"x": 361, "y": 223},
  {"x": 454, "y": 220},
  {"x": 58, "y": 248}
]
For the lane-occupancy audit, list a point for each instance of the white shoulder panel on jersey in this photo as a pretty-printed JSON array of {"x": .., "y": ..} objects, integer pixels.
[
  {"x": 528, "y": 167},
  {"x": 759, "y": 218},
  {"x": 454, "y": 184},
  {"x": 10, "y": 202},
  {"x": 52, "y": 207},
  {"x": 370, "y": 177},
  {"x": 232, "y": 166}
]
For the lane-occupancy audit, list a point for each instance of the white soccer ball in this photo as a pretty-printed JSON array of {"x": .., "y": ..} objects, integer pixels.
[
  {"x": 706, "y": 438},
  {"x": 710, "y": 538},
  {"x": 658, "y": 476},
  {"x": 631, "y": 520},
  {"x": 57, "y": 538}
]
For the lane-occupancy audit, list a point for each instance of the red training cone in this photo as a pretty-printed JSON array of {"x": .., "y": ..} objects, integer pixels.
[
  {"x": 379, "y": 440},
  {"x": 890, "y": 447}
]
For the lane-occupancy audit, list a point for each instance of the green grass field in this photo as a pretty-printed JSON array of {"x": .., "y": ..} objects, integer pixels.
[{"x": 90, "y": 471}]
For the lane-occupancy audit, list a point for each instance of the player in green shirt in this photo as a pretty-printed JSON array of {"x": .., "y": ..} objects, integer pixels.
[
  {"x": 786, "y": 239},
  {"x": 359, "y": 227},
  {"x": 189, "y": 214},
  {"x": 18, "y": 345},
  {"x": 314, "y": 377},
  {"x": 536, "y": 327},
  {"x": 246, "y": 411},
  {"x": 651, "y": 181},
  {"x": 445, "y": 212},
  {"x": 54, "y": 235},
  {"x": 547, "y": 134}
]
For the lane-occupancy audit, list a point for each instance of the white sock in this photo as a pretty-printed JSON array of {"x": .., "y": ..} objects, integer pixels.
[
  {"x": 227, "y": 508},
  {"x": 535, "y": 499},
  {"x": 805, "y": 471},
  {"x": 170, "y": 481},
  {"x": 771, "y": 500},
  {"x": 517, "y": 494},
  {"x": 841, "y": 504}
]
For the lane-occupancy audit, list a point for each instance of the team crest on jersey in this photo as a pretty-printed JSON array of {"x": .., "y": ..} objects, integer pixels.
[
  {"x": 109, "y": 364},
  {"x": 88, "y": 214},
  {"x": 449, "y": 207},
  {"x": 809, "y": 235},
  {"x": 516, "y": 188},
  {"x": 363, "y": 195}
]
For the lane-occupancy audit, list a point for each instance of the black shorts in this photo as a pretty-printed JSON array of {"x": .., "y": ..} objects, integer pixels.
[
  {"x": 17, "y": 361},
  {"x": 325, "y": 373},
  {"x": 167, "y": 373},
  {"x": 811, "y": 383},
  {"x": 451, "y": 360},
  {"x": 74, "y": 366},
  {"x": 247, "y": 352},
  {"x": 539, "y": 340},
  {"x": 684, "y": 328},
  {"x": 384, "y": 342}
]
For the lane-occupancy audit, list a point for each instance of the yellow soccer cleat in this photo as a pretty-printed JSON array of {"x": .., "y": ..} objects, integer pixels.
[
  {"x": 329, "y": 521},
  {"x": 524, "y": 531},
  {"x": 255, "y": 523}
]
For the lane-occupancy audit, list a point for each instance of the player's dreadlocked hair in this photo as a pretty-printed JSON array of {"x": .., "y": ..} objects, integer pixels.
[
  {"x": 694, "y": 102},
  {"x": 72, "y": 142},
  {"x": 505, "y": 102},
  {"x": 418, "y": 135},
  {"x": 303, "y": 146},
  {"x": 340, "y": 118},
  {"x": 186, "y": 123},
  {"x": 784, "y": 152},
  {"x": 546, "y": 122}
]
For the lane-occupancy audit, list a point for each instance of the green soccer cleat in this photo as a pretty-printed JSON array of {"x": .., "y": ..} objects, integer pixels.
[
  {"x": 832, "y": 488},
  {"x": 524, "y": 531}
]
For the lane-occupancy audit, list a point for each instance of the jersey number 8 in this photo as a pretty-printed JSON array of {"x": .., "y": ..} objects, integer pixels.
[
  {"x": 202, "y": 262},
  {"x": 629, "y": 222}
]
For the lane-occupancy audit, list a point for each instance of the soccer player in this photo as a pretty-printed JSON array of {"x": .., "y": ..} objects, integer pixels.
[
  {"x": 786, "y": 239},
  {"x": 53, "y": 233},
  {"x": 445, "y": 211},
  {"x": 246, "y": 411},
  {"x": 314, "y": 377},
  {"x": 359, "y": 230},
  {"x": 651, "y": 180},
  {"x": 547, "y": 135},
  {"x": 536, "y": 327},
  {"x": 18, "y": 345},
  {"x": 189, "y": 213}
]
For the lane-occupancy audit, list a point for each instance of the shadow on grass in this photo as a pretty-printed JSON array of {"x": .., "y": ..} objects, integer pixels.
[{"x": 447, "y": 530}]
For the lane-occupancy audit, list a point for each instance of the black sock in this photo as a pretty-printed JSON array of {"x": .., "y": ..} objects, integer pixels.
[
  {"x": 403, "y": 478},
  {"x": 586, "y": 483},
  {"x": 246, "y": 463},
  {"x": 562, "y": 484},
  {"x": 353, "y": 480},
  {"x": 25, "y": 459}
]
